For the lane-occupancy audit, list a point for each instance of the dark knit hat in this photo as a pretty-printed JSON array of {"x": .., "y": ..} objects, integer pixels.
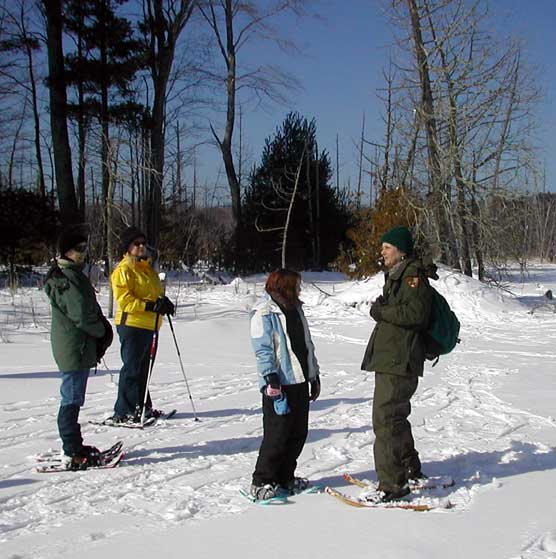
[
  {"x": 400, "y": 237},
  {"x": 70, "y": 237},
  {"x": 128, "y": 236}
]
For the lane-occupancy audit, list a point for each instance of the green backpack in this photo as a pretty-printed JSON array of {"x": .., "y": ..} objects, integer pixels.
[{"x": 441, "y": 337}]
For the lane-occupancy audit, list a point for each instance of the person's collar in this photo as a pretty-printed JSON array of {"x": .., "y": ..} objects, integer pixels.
[
  {"x": 64, "y": 262},
  {"x": 282, "y": 303},
  {"x": 134, "y": 260},
  {"x": 397, "y": 271},
  {"x": 266, "y": 305}
]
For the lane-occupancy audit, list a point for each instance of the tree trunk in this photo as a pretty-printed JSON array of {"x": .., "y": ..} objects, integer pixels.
[
  {"x": 58, "y": 113},
  {"x": 156, "y": 167},
  {"x": 81, "y": 127},
  {"x": 317, "y": 209},
  {"x": 164, "y": 34},
  {"x": 107, "y": 183},
  {"x": 464, "y": 241},
  {"x": 228, "y": 50},
  {"x": 290, "y": 208},
  {"x": 226, "y": 143},
  {"x": 475, "y": 228},
  {"x": 427, "y": 114},
  {"x": 36, "y": 119},
  {"x": 178, "y": 182},
  {"x": 360, "y": 171},
  {"x": 455, "y": 154},
  {"x": 310, "y": 206},
  {"x": 109, "y": 232}
]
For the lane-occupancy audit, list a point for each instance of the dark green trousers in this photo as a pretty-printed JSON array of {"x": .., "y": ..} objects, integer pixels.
[{"x": 394, "y": 450}]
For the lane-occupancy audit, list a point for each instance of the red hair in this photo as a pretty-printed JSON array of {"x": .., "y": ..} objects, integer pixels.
[{"x": 281, "y": 285}]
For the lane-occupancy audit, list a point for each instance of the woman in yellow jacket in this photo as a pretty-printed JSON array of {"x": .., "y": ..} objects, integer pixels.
[{"x": 141, "y": 302}]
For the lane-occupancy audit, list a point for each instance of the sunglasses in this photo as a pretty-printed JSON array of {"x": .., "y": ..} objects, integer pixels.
[{"x": 139, "y": 243}]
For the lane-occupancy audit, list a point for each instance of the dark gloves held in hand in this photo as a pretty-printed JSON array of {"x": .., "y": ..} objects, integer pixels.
[
  {"x": 162, "y": 305},
  {"x": 274, "y": 390},
  {"x": 104, "y": 343},
  {"x": 315, "y": 389},
  {"x": 376, "y": 308},
  {"x": 272, "y": 380}
]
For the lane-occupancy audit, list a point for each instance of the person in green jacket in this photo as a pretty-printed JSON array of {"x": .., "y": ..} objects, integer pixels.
[
  {"x": 79, "y": 336},
  {"x": 396, "y": 353}
]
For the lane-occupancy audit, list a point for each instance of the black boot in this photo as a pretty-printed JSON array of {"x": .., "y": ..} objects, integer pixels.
[{"x": 395, "y": 493}]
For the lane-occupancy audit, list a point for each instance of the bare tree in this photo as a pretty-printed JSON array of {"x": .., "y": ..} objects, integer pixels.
[
  {"x": 164, "y": 22},
  {"x": 18, "y": 44},
  {"x": 427, "y": 113},
  {"x": 461, "y": 105},
  {"x": 234, "y": 23}
]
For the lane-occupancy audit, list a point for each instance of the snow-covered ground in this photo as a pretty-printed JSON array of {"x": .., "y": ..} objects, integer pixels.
[{"x": 484, "y": 415}]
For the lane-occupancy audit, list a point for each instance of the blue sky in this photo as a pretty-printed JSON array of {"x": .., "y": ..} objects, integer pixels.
[{"x": 342, "y": 54}]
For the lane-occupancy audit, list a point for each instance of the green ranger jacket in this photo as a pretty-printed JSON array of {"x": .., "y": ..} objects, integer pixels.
[
  {"x": 396, "y": 344},
  {"x": 76, "y": 317}
]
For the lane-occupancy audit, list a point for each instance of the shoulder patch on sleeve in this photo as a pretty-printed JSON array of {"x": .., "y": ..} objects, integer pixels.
[
  {"x": 412, "y": 281},
  {"x": 257, "y": 327}
]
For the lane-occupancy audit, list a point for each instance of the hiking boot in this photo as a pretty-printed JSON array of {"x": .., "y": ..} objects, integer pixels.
[
  {"x": 265, "y": 492},
  {"x": 127, "y": 418},
  {"x": 394, "y": 494},
  {"x": 86, "y": 457},
  {"x": 416, "y": 475},
  {"x": 417, "y": 479},
  {"x": 296, "y": 485},
  {"x": 92, "y": 454},
  {"x": 151, "y": 412}
]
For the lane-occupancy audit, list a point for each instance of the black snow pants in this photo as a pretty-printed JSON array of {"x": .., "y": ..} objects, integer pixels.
[{"x": 283, "y": 437}]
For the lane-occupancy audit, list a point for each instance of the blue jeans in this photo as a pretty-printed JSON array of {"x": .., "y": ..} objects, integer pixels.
[
  {"x": 72, "y": 392},
  {"x": 135, "y": 349}
]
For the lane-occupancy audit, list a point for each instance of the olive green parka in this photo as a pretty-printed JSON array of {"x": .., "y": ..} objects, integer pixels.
[
  {"x": 396, "y": 344},
  {"x": 77, "y": 320}
]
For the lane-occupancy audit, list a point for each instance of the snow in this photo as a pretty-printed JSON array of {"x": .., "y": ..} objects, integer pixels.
[{"x": 485, "y": 415}]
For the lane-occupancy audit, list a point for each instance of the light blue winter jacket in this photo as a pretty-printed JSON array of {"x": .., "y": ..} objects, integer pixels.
[{"x": 273, "y": 350}]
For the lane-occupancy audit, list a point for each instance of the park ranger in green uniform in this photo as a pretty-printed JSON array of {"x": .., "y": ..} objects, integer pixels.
[{"x": 396, "y": 353}]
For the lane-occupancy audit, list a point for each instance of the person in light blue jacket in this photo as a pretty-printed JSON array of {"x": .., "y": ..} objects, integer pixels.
[{"x": 288, "y": 378}]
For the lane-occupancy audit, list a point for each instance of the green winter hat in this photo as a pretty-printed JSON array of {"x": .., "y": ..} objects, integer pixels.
[{"x": 400, "y": 237}]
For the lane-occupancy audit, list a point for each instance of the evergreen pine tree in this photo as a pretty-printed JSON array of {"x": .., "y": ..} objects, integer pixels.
[{"x": 319, "y": 217}]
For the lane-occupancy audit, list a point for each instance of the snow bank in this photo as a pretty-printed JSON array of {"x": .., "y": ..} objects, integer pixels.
[{"x": 469, "y": 298}]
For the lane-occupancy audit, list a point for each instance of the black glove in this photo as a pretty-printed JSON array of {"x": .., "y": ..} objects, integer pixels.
[
  {"x": 315, "y": 389},
  {"x": 376, "y": 309},
  {"x": 106, "y": 341},
  {"x": 162, "y": 305},
  {"x": 272, "y": 380}
]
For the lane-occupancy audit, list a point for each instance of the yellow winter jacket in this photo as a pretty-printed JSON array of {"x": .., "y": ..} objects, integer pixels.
[{"x": 135, "y": 282}]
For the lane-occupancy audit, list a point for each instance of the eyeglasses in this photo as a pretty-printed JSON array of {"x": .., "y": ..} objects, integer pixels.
[
  {"x": 81, "y": 247},
  {"x": 139, "y": 243}
]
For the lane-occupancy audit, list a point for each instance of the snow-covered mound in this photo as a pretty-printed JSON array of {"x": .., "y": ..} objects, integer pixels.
[{"x": 469, "y": 298}]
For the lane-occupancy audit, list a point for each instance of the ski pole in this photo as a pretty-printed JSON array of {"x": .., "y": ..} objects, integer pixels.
[
  {"x": 182, "y": 369},
  {"x": 152, "y": 356}
]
